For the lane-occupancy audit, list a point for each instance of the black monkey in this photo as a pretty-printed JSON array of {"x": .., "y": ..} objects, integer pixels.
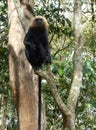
[
  {"x": 37, "y": 50},
  {"x": 36, "y": 43}
]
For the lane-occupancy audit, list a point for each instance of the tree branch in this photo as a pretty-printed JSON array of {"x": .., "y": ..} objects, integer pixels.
[
  {"x": 77, "y": 60},
  {"x": 49, "y": 77},
  {"x": 61, "y": 49}
]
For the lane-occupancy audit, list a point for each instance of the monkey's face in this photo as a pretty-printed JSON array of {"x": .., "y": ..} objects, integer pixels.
[{"x": 39, "y": 22}]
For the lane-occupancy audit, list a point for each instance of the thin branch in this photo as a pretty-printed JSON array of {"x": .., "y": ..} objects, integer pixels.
[
  {"x": 86, "y": 22},
  {"x": 59, "y": 50},
  {"x": 51, "y": 39}
]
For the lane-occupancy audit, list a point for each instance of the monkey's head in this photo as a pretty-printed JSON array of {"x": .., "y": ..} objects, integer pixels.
[{"x": 39, "y": 22}]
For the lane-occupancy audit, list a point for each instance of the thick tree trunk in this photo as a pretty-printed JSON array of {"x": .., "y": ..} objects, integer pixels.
[{"x": 22, "y": 80}]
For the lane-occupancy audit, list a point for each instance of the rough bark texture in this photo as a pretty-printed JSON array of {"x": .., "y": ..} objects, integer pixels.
[
  {"x": 77, "y": 63},
  {"x": 77, "y": 59},
  {"x": 22, "y": 80}
]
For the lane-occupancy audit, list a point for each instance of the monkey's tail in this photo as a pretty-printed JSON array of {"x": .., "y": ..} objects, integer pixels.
[{"x": 39, "y": 104}]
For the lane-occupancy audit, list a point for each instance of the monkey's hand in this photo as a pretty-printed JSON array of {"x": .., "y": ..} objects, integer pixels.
[
  {"x": 26, "y": 43},
  {"x": 48, "y": 59}
]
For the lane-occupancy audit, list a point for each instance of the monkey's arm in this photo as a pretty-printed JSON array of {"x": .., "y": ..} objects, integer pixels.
[
  {"x": 29, "y": 41},
  {"x": 28, "y": 38},
  {"x": 48, "y": 58},
  {"x": 46, "y": 46},
  {"x": 29, "y": 45}
]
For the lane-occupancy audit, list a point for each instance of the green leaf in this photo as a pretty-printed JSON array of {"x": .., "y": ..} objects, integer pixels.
[{"x": 60, "y": 71}]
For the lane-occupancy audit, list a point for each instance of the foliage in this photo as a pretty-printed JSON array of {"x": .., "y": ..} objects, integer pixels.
[
  {"x": 90, "y": 38},
  {"x": 87, "y": 104},
  {"x": 58, "y": 23},
  {"x": 3, "y": 46}
]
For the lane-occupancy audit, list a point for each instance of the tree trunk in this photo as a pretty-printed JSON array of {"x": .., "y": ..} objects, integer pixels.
[
  {"x": 77, "y": 64},
  {"x": 23, "y": 81}
]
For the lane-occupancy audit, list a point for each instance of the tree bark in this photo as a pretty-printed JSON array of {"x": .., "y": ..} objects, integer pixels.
[
  {"x": 23, "y": 81},
  {"x": 77, "y": 64}
]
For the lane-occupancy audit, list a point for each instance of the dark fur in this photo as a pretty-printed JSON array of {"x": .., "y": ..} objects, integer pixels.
[{"x": 36, "y": 43}]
